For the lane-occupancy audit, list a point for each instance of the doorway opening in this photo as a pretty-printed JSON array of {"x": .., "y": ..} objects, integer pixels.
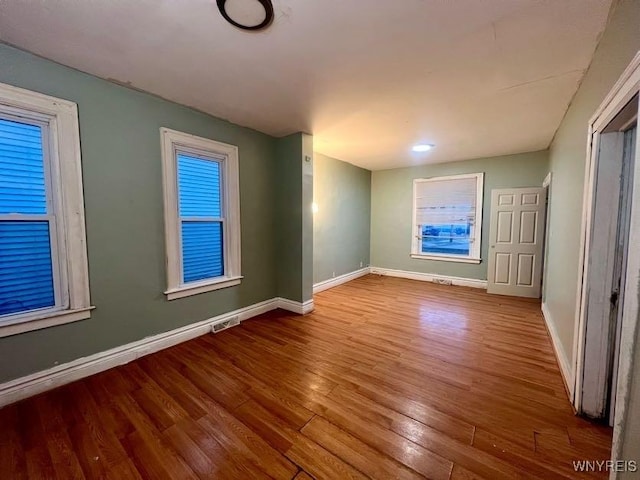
[
  {"x": 606, "y": 304},
  {"x": 605, "y": 272}
]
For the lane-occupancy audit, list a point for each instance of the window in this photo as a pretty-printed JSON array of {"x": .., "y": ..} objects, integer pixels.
[
  {"x": 447, "y": 218},
  {"x": 202, "y": 214},
  {"x": 43, "y": 260}
]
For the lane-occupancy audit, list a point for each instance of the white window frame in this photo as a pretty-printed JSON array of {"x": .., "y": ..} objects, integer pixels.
[
  {"x": 476, "y": 239},
  {"x": 172, "y": 143},
  {"x": 65, "y": 207}
]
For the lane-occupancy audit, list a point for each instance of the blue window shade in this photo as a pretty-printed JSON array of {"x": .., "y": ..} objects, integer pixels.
[
  {"x": 26, "y": 276},
  {"x": 199, "y": 196},
  {"x": 202, "y": 254},
  {"x": 199, "y": 187},
  {"x": 22, "y": 185}
]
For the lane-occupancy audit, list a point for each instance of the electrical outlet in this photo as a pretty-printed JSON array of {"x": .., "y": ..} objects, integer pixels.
[
  {"x": 361, "y": 264},
  {"x": 333, "y": 275}
]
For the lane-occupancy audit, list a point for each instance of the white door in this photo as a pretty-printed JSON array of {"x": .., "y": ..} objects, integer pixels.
[{"x": 516, "y": 241}]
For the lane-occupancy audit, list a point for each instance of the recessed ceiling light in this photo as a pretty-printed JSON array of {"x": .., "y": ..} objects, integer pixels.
[
  {"x": 422, "y": 147},
  {"x": 247, "y": 14}
]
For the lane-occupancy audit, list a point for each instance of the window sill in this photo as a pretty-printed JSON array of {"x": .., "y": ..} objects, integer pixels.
[
  {"x": 446, "y": 258},
  {"x": 39, "y": 320},
  {"x": 201, "y": 287}
]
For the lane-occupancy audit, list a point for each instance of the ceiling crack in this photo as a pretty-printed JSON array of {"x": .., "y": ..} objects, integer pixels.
[{"x": 544, "y": 79}]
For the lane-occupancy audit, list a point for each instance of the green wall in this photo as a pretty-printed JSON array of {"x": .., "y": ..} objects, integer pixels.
[
  {"x": 120, "y": 141},
  {"x": 294, "y": 232},
  {"x": 341, "y": 227},
  {"x": 618, "y": 45},
  {"x": 307, "y": 218},
  {"x": 392, "y": 206}
]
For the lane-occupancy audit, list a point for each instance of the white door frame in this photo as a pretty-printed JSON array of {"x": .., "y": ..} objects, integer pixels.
[
  {"x": 627, "y": 86},
  {"x": 599, "y": 273},
  {"x": 545, "y": 247}
]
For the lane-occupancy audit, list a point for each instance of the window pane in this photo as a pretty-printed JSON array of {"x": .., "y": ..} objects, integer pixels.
[
  {"x": 26, "y": 277},
  {"x": 452, "y": 239},
  {"x": 445, "y": 212},
  {"x": 199, "y": 187},
  {"x": 22, "y": 186},
  {"x": 202, "y": 255}
]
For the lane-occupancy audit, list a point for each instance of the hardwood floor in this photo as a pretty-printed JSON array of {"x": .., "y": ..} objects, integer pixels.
[{"x": 388, "y": 378}]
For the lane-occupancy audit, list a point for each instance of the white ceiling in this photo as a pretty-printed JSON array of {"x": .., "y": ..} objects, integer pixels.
[{"x": 369, "y": 78}]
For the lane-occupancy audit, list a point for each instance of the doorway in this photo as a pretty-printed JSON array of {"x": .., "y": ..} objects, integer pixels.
[{"x": 607, "y": 226}]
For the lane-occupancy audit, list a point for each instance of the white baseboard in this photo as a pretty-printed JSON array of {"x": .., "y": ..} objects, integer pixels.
[
  {"x": 334, "y": 282},
  {"x": 430, "y": 277},
  {"x": 39, "y": 382},
  {"x": 561, "y": 354},
  {"x": 296, "y": 307}
]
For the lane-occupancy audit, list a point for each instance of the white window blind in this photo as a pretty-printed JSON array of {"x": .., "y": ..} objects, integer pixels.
[
  {"x": 448, "y": 218},
  {"x": 446, "y": 201}
]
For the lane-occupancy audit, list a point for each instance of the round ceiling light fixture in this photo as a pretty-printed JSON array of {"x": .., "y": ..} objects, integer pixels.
[
  {"x": 422, "y": 147},
  {"x": 247, "y": 14}
]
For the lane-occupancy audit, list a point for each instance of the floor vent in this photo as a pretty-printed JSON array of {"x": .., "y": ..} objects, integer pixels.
[
  {"x": 442, "y": 281},
  {"x": 232, "y": 322}
]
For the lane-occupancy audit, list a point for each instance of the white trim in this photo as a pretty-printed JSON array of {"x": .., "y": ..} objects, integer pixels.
[
  {"x": 599, "y": 275},
  {"x": 339, "y": 280},
  {"x": 548, "y": 180},
  {"x": 68, "y": 232},
  {"x": 39, "y": 382},
  {"x": 201, "y": 287},
  {"x": 301, "y": 308},
  {"x": 430, "y": 277},
  {"x": 560, "y": 353},
  {"x": 476, "y": 239},
  {"x": 173, "y": 141},
  {"x": 624, "y": 90},
  {"x": 445, "y": 258},
  {"x": 38, "y": 320}
]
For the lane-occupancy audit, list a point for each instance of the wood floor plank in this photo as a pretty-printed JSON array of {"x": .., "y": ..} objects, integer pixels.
[
  {"x": 12, "y": 455},
  {"x": 321, "y": 464},
  {"x": 153, "y": 460},
  {"x": 389, "y": 442},
  {"x": 225, "y": 464},
  {"x": 94, "y": 423},
  {"x": 274, "y": 430},
  {"x": 523, "y": 458},
  {"x": 281, "y": 405},
  {"x": 461, "y": 473},
  {"x": 38, "y": 462},
  {"x": 430, "y": 417},
  {"x": 239, "y": 440},
  {"x": 387, "y": 378},
  {"x": 302, "y": 476},
  {"x": 150, "y": 454},
  {"x": 125, "y": 470},
  {"x": 63, "y": 456},
  {"x": 355, "y": 452}
]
